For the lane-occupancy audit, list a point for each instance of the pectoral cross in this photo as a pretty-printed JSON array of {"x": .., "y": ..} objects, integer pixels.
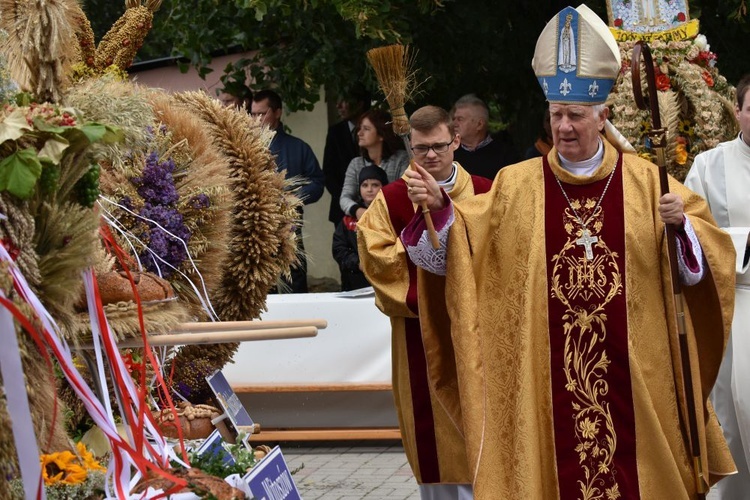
[{"x": 586, "y": 240}]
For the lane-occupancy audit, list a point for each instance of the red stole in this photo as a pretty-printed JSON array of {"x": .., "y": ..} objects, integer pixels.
[
  {"x": 594, "y": 422},
  {"x": 401, "y": 211}
]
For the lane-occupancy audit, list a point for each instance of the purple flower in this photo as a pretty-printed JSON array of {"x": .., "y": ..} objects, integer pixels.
[
  {"x": 200, "y": 201},
  {"x": 156, "y": 186}
]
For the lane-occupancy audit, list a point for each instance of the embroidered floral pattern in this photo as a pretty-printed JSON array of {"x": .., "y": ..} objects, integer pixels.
[{"x": 576, "y": 280}]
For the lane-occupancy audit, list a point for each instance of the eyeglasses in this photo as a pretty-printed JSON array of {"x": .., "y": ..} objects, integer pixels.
[{"x": 439, "y": 148}]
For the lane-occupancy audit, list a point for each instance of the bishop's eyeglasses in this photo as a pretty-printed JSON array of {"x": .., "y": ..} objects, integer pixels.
[{"x": 439, "y": 148}]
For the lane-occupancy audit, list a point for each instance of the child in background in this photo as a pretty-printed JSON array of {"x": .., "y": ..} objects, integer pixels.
[{"x": 371, "y": 181}]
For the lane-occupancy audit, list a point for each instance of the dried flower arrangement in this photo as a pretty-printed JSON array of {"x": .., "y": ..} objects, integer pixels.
[
  {"x": 180, "y": 163},
  {"x": 695, "y": 102}
]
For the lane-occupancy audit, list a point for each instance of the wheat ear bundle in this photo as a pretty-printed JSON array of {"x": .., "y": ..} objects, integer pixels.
[{"x": 393, "y": 69}]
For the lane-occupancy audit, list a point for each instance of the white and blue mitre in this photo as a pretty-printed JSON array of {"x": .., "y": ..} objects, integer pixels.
[{"x": 576, "y": 59}]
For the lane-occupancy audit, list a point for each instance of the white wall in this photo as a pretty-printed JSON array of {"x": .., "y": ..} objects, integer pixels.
[{"x": 309, "y": 126}]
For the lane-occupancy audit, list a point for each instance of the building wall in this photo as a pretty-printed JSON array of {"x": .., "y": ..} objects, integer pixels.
[{"x": 309, "y": 126}]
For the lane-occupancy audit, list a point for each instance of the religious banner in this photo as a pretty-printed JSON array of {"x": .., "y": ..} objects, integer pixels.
[
  {"x": 695, "y": 99},
  {"x": 651, "y": 20}
]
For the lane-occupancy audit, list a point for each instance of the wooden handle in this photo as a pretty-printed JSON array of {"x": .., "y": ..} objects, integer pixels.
[
  {"x": 217, "y": 337},
  {"x": 430, "y": 227},
  {"x": 428, "y": 219},
  {"x": 230, "y": 326}
]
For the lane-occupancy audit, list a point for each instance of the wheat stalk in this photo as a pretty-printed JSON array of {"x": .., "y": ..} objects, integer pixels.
[{"x": 393, "y": 68}]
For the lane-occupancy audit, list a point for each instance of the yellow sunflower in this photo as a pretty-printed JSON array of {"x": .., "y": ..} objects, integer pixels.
[
  {"x": 55, "y": 465},
  {"x": 75, "y": 474},
  {"x": 88, "y": 459},
  {"x": 67, "y": 468},
  {"x": 685, "y": 128}
]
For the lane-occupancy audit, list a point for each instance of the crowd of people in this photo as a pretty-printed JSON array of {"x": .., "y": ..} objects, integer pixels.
[
  {"x": 535, "y": 346},
  {"x": 363, "y": 138}
]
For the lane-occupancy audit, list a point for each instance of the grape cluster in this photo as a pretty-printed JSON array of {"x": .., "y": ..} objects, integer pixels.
[
  {"x": 87, "y": 187},
  {"x": 49, "y": 180}
]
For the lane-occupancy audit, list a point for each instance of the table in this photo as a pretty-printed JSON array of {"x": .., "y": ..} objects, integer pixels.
[{"x": 333, "y": 386}]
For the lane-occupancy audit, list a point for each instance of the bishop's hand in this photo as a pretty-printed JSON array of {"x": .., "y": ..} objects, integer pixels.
[
  {"x": 423, "y": 188},
  {"x": 671, "y": 210}
]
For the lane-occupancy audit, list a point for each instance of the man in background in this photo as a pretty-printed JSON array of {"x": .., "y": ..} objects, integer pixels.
[
  {"x": 722, "y": 176},
  {"x": 296, "y": 158},
  {"x": 236, "y": 94},
  {"x": 479, "y": 153}
]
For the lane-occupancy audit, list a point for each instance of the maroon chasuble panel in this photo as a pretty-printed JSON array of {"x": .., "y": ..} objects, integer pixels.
[
  {"x": 401, "y": 211},
  {"x": 594, "y": 422}
]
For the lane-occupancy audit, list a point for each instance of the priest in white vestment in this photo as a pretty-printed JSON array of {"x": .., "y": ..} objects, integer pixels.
[{"x": 722, "y": 177}]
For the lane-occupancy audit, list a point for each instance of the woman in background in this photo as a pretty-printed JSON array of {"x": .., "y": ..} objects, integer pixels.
[{"x": 379, "y": 147}]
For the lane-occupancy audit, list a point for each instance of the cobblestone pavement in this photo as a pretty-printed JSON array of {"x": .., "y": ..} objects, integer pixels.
[{"x": 351, "y": 470}]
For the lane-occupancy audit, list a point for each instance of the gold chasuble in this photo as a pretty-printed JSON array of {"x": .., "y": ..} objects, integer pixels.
[
  {"x": 563, "y": 365},
  {"x": 434, "y": 447}
]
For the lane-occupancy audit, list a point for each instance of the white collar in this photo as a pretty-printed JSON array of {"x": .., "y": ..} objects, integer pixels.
[
  {"x": 585, "y": 167},
  {"x": 448, "y": 183}
]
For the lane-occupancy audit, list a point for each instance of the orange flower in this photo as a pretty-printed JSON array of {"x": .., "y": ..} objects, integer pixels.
[
  {"x": 708, "y": 78},
  {"x": 64, "y": 467},
  {"x": 89, "y": 461},
  {"x": 75, "y": 474},
  {"x": 680, "y": 154},
  {"x": 54, "y": 466}
]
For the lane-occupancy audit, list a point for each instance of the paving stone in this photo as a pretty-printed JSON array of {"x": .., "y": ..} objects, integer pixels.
[{"x": 348, "y": 471}]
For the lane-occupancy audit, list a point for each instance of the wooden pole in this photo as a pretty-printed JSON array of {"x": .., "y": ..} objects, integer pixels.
[
  {"x": 217, "y": 337},
  {"x": 658, "y": 137},
  {"x": 229, "y": 326}
]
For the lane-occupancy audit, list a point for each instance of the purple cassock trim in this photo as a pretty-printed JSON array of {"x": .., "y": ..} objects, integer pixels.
[{"x": 440, "y": 218}]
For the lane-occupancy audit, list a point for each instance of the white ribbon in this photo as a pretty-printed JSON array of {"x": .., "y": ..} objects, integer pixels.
[
  {"x": 115, "y": 224},
  {"x": 17, "y": 403}
]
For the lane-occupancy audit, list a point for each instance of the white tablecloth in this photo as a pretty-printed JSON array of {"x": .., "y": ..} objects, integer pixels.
[{"x": 355, "y": 348}]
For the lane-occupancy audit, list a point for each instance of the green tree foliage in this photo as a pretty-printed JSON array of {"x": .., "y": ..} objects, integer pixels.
[{"x": 462, "y": 45}]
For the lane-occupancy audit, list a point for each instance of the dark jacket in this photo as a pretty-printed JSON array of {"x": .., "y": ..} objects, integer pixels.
[
  {"x": 346, "y": 254},
  {"x": 339, "y": 151},
  {"x": 487, "y": 160},
  {"x": 296, "y": 157}
]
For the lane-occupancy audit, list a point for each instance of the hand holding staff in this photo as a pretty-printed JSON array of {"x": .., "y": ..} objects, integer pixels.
[
  {"x": 392, "y": 68},
  {"x": 658, "y": 136}
]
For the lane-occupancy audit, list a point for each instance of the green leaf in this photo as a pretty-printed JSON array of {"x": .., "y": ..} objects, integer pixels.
[
  {"x": 19, "y": 173},
  {"x": 53, "y": 149},
  {"x": 112, "y": 135},
  {"x": 93, "y": 131},
  {"x": 97, "y": 132},
  {"x": 14, "y": 126},
  {"x": 42, "y": 125}
]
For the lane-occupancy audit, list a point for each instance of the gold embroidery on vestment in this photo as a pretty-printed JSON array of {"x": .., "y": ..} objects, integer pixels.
[{"x": 597, "y": 282}]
